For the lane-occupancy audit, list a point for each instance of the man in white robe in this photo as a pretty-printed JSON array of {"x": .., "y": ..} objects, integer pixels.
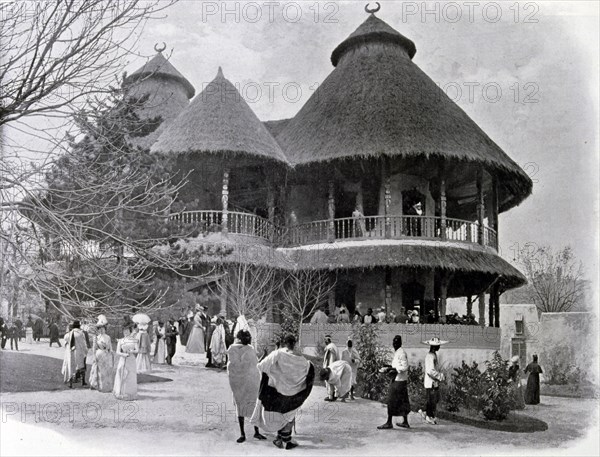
[
  {"x": 76, "y": 350},
  {"x": 286, "y": 382},
  {"x": 339, "y": 376},
  {"x": 331, "y": 355}
]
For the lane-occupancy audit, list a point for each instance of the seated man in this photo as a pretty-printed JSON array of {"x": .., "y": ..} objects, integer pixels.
[{"x": 339, "y": 376}]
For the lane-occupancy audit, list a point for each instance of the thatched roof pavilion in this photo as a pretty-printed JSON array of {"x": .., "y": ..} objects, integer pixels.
[
  {"x": 160, "y": 67},
  {"x": 219, "y": 121},
  {"x": 377, "y": 103}
]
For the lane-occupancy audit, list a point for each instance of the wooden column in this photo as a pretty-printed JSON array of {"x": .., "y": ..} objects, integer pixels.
[
  {"x": 442, "y": 208},
  {"x": 481, "y": 300},
  {"x": 469, "y": 305},
  {"x": 331, "y": 210},
  {"x": 491, "y": 305},
  {"x": 495, "y": 209},
  {"x": 496, "y": 305},
  {"x": 271, "y": 209},
  {"x": 480, "y": 206},
  {"x": 359, "y": 198},
  {"x": 388, "y": 290},
  {"x": 387, "y": 195},
  {"x": 225, "y": 202},
  {"x": 443, "y": 297}
]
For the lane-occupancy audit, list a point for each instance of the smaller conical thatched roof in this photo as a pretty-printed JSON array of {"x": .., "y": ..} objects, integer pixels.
[
  {"x": 219, "y": 121},
  {"x": 159, "y": 66},
  {"x": 370, "y": 31}
]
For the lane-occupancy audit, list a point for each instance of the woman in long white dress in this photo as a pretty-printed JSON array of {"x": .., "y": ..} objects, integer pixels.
[
  {"x": 196, "y": 342},
  {"x": 125, "y": 387},
  {"x": 102, "y": 374},
  {"x": 161, "y": 347},
  {"x": 218, "y": 348},
  {"x": 144, "y": 365}
]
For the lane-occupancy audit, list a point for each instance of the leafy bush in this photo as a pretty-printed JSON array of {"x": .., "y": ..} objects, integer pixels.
[
  {"x": 496, "y": 400},
  {"x": 416, "y": 388},
  {"x": 371, "y": 383},
  {"x": 517, "y": 401},
  {"x": 465, "y": 388}
]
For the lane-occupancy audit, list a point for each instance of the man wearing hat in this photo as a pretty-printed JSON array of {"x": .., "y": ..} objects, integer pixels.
[
  {"x": 433, "y": 377},
  {"x": 76, "y": 349}
]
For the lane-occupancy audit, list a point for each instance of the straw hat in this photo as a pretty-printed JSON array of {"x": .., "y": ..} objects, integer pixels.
[
  {"x": 435, "y": 341},
  {"x": 102, "y": 321}
]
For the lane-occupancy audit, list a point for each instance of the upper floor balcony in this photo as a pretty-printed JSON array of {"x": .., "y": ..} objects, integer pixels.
[{"x": 341, "y": 229}]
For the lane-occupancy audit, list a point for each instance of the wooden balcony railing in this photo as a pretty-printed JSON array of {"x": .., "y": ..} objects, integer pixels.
[
  {"x": 237, "y": 223},
  {"x": 387, "y": 227},
  {"x": 349, "y": 228}
]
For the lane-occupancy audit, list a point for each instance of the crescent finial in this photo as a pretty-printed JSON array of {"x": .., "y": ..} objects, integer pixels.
[
  {"x": 160, "y": 49},
  {"x": 372, "y": 10}
]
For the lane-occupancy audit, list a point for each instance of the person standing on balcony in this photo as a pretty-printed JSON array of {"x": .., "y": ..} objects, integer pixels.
[
  {"x": 398, "y": 403},
  {"x": 359, "y": 223},
  {"x": 433, "y": 377},
  {"x": 414, "y": 222},
  {"x": 381, "y": 315},
  {"x": 331, "y": 355}
]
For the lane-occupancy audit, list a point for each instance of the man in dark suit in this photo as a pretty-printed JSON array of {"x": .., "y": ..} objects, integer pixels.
[{"x": 171, "y": 340}]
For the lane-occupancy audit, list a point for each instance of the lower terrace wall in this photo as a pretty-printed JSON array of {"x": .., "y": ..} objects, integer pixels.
[{"x": 465, "y": 342}]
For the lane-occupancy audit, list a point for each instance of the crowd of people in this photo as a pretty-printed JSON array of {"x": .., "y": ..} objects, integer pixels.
[{"x": 341, "y": 315}]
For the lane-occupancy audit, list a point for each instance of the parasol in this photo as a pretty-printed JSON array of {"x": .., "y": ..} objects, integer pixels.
[{"x": 141, "y": 318}]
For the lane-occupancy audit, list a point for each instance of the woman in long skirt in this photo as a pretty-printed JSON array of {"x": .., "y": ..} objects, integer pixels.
[
  {"x": 195, "y": 342},
  {"x": 532, "y": 393},
  {"x": 102, "y": 374},
  {"x": 125, "y": 387},
  {"x": 144, "y": 365},
  {"x": 218, "y": 347},
  {"x": 160, "y": 354}
]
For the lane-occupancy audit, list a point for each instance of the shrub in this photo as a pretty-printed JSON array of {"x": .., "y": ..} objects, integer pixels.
[
  {"x": 371, "y": 383},
  {"x": 496, "y": 400},
  {"x": 416, "y": 388},
  {"x": 560, "y": 370},
  {"x": 465, "y": 388}
]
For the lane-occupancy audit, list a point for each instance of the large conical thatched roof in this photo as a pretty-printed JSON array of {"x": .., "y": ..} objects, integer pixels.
[
  {"x": 160, "y": 67},
  {"x": 377, "y": 102},
  {"x": 219, "y": 121}
]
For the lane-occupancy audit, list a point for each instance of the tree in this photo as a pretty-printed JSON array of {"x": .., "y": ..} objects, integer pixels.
[
  {"x": 556, "y": 278},
  {"x": 56, "y": 56},
  {"x": 249, "y": 289},
  {"x": 102, "y": 216},
  {"x": 303, "y": 292}
]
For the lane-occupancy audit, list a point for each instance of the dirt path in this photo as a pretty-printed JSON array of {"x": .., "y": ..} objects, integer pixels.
[{"x": 193, "y": 415}]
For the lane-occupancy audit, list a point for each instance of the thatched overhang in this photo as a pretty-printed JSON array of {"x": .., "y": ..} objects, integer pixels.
[
  {"x": 159, "y": 67},
  {"x": 377, "y": 103},
  {"x": 219, "y": 122},
  {"x": 469, "y": 264}
]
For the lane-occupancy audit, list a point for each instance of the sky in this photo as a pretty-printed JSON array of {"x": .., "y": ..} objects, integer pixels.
[{"x": 526, "y": 72}]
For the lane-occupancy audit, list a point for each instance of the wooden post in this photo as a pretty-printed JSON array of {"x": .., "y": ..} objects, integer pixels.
[
  {"x": 359, "y": 198},
  {"x": 331, "y": 208},
  {"x": 496, "y": 305},
  {"x": 480, "y": 206},
  {"x": 495, "y": 209},
  {"x": 469, "y": 305},
  {"x": 482, "y": 309},
  {"x": 443, "y": 207},
  {"x": 225, "y": 201},
  {"x": 271, "y": 209},
  {"x": 387, "y": 196},
  {"x": 443, "y": 297},
  {"x": 388, "y": 290},
  {"x": 491, "y": 305}
]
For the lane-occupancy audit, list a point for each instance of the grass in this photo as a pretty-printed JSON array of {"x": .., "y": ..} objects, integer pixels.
[{"x": 32, "y": 373}]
